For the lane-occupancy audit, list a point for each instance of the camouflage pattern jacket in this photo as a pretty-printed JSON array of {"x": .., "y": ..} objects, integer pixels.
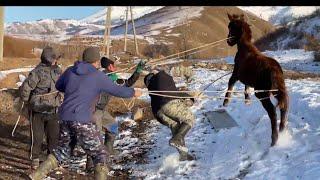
[{"x": 39, "y": 91}]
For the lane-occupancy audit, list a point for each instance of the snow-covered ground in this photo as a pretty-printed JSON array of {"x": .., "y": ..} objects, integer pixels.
[
  {"x": 294, "y": 59},
  {"x": 242, "y": 152},
  {"x": 26, "y": 69}
]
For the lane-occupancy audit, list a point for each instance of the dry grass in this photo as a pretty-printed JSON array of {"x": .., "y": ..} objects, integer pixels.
[{"x": 211, "y": 26}]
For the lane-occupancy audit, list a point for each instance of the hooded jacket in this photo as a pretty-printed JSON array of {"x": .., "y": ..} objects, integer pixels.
[
  {"x": 41, "y": 80},
  {"x": 82, "y": 84},
  {"x": 163, "y": 82}
]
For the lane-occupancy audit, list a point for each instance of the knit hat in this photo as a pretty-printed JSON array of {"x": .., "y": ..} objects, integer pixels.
[
  {"x": 105, "y": 62},
  {"x": 91, "y": 55},
  {"x": 48, "y": 55}
]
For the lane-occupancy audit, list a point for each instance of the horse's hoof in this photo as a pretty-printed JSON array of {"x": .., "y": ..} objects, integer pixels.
[
  {"x": 274, "y": 140},
  {"x": 273, "y": 143},
  {"x": 225, "y": 103},
  {"x": 282, "y": 126},
  {"x": 247, "y": 101}
]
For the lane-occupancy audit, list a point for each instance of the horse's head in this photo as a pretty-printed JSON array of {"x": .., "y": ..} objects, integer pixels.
[{"x": 238, "y": 29}]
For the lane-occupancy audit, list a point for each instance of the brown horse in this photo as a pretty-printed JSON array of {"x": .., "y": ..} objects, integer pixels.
[{"x": 256, "y": 70}]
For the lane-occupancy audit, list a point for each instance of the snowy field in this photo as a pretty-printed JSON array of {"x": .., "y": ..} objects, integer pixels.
[
  {"x": 293, "y": 59},
  {"x": 244, "y": 151},
  {"x": 241, "y": 152}
]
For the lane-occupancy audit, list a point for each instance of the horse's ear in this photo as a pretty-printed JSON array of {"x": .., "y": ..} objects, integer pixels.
[
  {"x": 241, "y": 17},
  {"x": 230, "y": 17}
]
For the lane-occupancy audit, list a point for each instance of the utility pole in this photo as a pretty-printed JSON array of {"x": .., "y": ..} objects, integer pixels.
[
  {"x": 134, "y": 32},
  {"x": 106, "y": 40},
  {"x": 126, "y": 30},
  {"x": 1, "y": 31}
]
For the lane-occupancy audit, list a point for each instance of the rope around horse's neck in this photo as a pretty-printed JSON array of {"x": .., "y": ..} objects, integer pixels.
[{"x": 153, "y": 62}]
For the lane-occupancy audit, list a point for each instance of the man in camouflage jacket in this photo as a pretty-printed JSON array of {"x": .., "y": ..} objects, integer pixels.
[
  {"x": 104, "y": 120},
  {"x": 39, "y": 93},
  {"x": 170, "y": 111}
]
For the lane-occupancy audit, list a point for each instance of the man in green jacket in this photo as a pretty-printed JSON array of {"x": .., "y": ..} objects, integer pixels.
[{"x": 104, "y": 120}]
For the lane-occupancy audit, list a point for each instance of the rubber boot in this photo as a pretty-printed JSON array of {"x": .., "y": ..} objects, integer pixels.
[
  {"x": 35, "y": 163},
  {"x": 177, "y": 140},
  {"x": 108, "y": 142},
  {"x": 49, "y": 164},
  {"x": 174, "y": 131},
  {"x": 101, "y": 172},
  {"x": 185, "y": 156},
  {"x": 89, "y": 165}
]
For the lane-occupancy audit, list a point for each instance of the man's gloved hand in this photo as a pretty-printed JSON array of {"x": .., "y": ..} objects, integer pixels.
[{"x": 140, "y": 66}]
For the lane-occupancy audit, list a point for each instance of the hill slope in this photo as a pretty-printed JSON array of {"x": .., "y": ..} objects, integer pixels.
[{"x": 186, "y": 27}]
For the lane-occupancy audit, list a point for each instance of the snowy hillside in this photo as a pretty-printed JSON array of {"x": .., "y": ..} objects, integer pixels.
[
  {"x": 118, "y": 14},
  {"x": 51, "y": 27},
  {"x": 60, "y": 29},
  {"x": 242, "y": 152},
  {"x": 280, "y": 14},
  {"x": 295, "y": 35},
  {"x": 165, "y": 18}
]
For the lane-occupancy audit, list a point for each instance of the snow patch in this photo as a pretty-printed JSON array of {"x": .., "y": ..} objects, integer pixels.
[
  {"x": 293, "y": 59},
  {"x": 279, "y": 14}
]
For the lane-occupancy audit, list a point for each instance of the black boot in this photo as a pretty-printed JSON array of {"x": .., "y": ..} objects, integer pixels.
[
  {"x": 177, "y": 140},
  {"x": 185, "y": 156},
  {"x": 89, "y": 165},
  {"x": 174, "y": 131},
  {"x": 108, "y": 142}
]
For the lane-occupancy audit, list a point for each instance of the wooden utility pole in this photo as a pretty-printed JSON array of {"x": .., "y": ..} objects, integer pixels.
[
  {"x": 1, "y": 31},
  {"x": 134, "y": 32},
  {"x": 126, "y": 30},
  {"x": 106, "y": 40}
]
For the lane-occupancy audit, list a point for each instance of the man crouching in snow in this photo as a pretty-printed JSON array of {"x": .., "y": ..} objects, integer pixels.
[{"x": 171, "y": 112}]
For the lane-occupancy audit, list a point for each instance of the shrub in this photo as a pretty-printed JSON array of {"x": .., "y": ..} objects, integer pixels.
[
  {"x": 156, "y": 50},
  {"x": 264, "y": 43},
  {"x": 313, "y": 44}
]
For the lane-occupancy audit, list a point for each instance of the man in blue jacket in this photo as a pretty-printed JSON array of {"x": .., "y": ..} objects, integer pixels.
[{"x": 82, "y": 84}]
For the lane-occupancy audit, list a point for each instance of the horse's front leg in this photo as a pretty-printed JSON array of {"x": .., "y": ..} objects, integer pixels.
[
  {"x": 247, "y": 99},
  {"x": 231, "y": 83}
]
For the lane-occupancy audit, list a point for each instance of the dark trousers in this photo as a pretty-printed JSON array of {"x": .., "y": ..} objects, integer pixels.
[{"x": 44, "y": 124}]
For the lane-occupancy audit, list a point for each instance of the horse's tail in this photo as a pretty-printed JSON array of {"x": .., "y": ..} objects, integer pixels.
[{"x": 281, "y": 95}]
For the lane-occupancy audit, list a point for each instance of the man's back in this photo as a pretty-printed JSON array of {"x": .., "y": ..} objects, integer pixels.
[
  {"x": 82, "y": 84},
  {"x": 40, "y": 81}
]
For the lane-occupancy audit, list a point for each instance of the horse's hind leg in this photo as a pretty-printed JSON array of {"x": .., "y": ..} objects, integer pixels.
[
  {"x": 270, "y": 108},
  {"x": 283, "y": 104},
  {"x": 247, "y": 99},
  {"x": 284, "y": 119}
]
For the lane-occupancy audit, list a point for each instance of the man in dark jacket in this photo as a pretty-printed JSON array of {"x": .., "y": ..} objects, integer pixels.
[
  {"x": 171, "y": 112},
  {"x": 40, "y": 94},
  {"x": 105, "y": 122},
  {"x": 82, "y": 84}
]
